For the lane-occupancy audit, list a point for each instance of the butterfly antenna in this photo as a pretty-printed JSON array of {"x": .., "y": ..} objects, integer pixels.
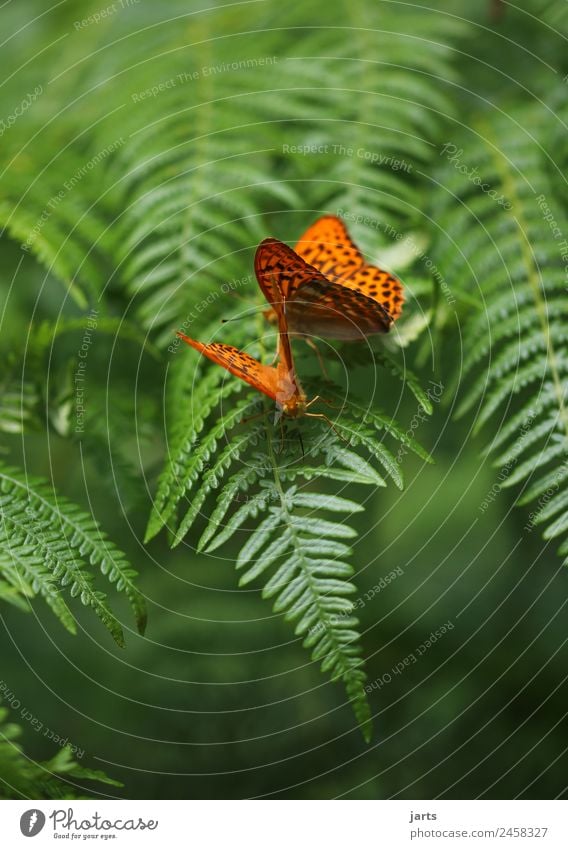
[
  {"x": 252, "y": 309},
  {"x": 323, "y": 400}
]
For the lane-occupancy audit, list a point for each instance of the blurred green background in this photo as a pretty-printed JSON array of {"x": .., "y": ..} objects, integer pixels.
[{"x": 219, "y": 699}]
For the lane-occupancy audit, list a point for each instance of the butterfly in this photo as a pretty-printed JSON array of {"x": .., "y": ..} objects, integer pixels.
[
  {"x": 327, "y": 288},
  {"x": 279, "y": 382}
]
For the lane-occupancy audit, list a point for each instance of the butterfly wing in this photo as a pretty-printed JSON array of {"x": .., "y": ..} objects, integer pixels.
[
  {"x": 261, "y": 377},
  {"x": 280, "y": 271},
  {"x": 327, "y": 245},
  {"x": 333, "y": 311},
  {"x": 307, "y": 301},
  {"x": 381, "y": 286}
]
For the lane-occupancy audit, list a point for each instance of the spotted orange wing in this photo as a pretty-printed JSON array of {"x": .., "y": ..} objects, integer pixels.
[
  {"x": 309, "y": 302},
  {"x": 280, "y": 272},
  {"x": 261, "y": 377},
  {"x": 379, "y": 285},
  {"x": 327, "y": 246},
  {"x": 279, "y": 382}
]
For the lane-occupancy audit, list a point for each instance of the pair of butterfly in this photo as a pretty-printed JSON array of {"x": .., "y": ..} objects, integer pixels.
[{"x": 323, "y": 287}]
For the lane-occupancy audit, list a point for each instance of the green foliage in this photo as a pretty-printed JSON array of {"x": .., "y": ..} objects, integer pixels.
[
  {"x": 161, "y": 204},
  {"x": 60, "y": 777},
  {"x": 267, "y": 478},
  {"x": 507, "y": 246},
  {"x": 310, "y": 585},
  {"x": 183, "y": 176},
  {"x": 163, "y": 148},
  {"x": 149, "y": 194},
  {"x": 19, "y": 402},
  {"x": 48, "y": 545}
]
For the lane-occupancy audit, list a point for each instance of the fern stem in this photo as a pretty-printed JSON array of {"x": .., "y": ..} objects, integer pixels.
[
  {"x": 355, "y": 689},
  {"x": 293, "y": 535}
]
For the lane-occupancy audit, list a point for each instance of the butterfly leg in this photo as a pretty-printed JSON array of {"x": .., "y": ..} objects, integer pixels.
[
  {"x": 253, "y": 417},
  {"x": 282, "y": 434},
  {"x": 330, "y": 423},
  {"x": 315, "y": 348}
]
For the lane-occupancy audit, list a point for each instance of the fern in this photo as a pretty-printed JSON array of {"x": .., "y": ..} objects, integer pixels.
[
  {"x": 20, "y": 407},
  {"x": 347, "y": 117},
  {"x": 49, "y": 545},
  {"x": 308, "y": 588},
  {"x": 187, "y": 178},
  {"x": 156, "y": 153},
  {"x": 23, "y": 778},
  {"x": 295, "y": 552},
  {"x": 516, "y": 343}
]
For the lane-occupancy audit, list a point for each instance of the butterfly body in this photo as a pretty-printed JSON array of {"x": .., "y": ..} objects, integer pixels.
[{"x": 290, "y": 397}]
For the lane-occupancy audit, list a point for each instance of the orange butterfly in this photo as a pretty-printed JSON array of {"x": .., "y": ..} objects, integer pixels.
[
  {"x": 279, "y": 382},
  {"x": 327, "y": 288}
]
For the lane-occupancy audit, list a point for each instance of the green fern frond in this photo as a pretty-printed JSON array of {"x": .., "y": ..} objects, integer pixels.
[
  {"x": 514, "y": 244},
  {"x": 274, "y": 498},
  {"x": 20, "y": 407},
  {"x": 23, "y": 778},
  {"x": 49, "y": 545},
  {"x": 44, "y": 334},
  {"x": 156, "y": 152},
  {"x": 309, "y": 589},
  {"x": 29, "y": 563},
  {"x": 370, "y": 416},
  {"x": 361, "y": 355},
  {"x": 15, "y": 591},
  {"x": 188, "y": 454},
  {"x": 189, "y": 177}
]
